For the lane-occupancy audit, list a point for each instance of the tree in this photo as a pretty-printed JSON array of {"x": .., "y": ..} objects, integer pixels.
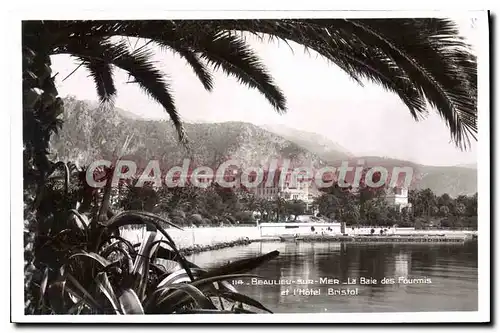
[
  {"x": 265, "y": 209},
  {"x": 414, "y": 200},
  {"x": 279, "y": 208},
  {"x": 229, "y": 197},
  {"x": 139, "y": 198},
  {"x": 378, "y": 212},
  {"x": 295, "y": 208},
  {"x": 327, "y": 204},
  {"x": 367, "y": 193},
  {"x": 444, "y": 211},
  {"x": 387, "y": 52},
  {"x": 196, "y": 219},
  {"x": 471, "y": 205},
  {"x": 460, "y": 209},
  {"x": 180, "y": 198},
  {"x": 249, "y": 202},
  {"x": 349, "y": 213},
  {"x": 244, "y": 217},
  {"x": 444, "y": 200},
  {"x": 393, "y": 216},
  {"x": 428, "y": 201},
  {"x": 209, "y": 203},
  {"x": 405, "y": 217},
  {"x": 421, "y": 60}
]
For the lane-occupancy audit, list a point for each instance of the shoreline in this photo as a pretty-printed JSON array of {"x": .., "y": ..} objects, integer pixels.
[
  {"x": 218, "y": 246},
  {"x": 386, "y": 238},
  {"x": 190, "y": 250}
]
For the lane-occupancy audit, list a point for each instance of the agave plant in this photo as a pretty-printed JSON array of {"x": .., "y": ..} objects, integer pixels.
[
  {"x": 117, "y": 277},
  {"x": 84, "y": 266}
]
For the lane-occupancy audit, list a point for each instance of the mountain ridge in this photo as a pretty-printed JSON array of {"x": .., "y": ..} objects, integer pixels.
[{"x": 91, "y": 133}]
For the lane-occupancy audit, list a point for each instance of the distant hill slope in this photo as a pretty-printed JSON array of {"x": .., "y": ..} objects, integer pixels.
[
  {"x": 315, "y": 143},
  {"x": 440, "y": 179},
  {"x": 470, "y": 166},
  {"x": 89, "y": 133},
  {"x": 454, "y": 180}
]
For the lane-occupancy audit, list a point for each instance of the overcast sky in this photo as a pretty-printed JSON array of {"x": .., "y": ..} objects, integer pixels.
[{"x": 321, "y": 98}]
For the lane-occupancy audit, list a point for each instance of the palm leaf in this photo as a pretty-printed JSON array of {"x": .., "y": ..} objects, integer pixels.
[
  {"x": 200, "y": 69},
  {"x": 130, "y": 303},
  {"x": 133, "y": 217},
  {"x": 422, "y": 60},
  {"x": 231, "y": 54},
  {"x": 102, "y": 74},
  {"x": 94, "y": 256},
  {"x": 241, "y": 266},
  {"x": 137, "y": 63},
  {"x": 43, "y": 285},
  {"x": 106, "y": 288},
  {"x": 85, "y": 294},
  {"x": 176, "y": 296},
  {"x": 203, "y": 301},
  {"x": 435, "y": 73}
]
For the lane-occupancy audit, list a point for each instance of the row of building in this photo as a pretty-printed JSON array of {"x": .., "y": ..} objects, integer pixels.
[
  {"x": 291, "y": 187},
  {"x": 397, "y": 197},
  {"x": 305, "y": 191}
]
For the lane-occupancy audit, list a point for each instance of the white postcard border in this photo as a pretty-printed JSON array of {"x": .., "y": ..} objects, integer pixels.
[{"x": 16, "y": 225}]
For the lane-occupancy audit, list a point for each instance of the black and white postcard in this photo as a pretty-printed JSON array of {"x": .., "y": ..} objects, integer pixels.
[{"x": 231, "y": 167}]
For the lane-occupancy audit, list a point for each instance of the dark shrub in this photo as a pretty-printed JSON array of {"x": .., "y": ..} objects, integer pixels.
[
  {"x": 196, "y": 219},
  {"x": 231, "y": 219},
  {"x": 178, "y": 217},
  {"x": 244, "y": 217}
]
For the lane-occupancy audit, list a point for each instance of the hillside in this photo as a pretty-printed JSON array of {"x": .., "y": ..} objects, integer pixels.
[
  {"x": 453, "y": 180},
  {"x": 316, "y": 143},
  {"x": 90, "y": 133}
]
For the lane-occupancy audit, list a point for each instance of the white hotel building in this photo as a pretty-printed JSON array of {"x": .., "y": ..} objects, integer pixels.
[
  {"x": 287, "y": 190},
  {"x": 398, "y": 197}
]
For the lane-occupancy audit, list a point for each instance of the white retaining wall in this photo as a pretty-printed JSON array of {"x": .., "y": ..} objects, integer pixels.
[
  {"x": 211, "y": 236},
  {"x": 289, "y": 228},
  {"x": 198, "y": 236}
]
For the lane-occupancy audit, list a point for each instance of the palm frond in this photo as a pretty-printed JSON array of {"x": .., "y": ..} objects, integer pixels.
[
  {"x": 198, "y": 67},
  {"x": 102, "y": 74},
  {"x": 425, "y": 50},
  {"x": 221, "y": 49},
  {"x": 422, "y": 60},
  {"x": 231, "y": 54},
  {"x": 138, "y": 64},
  {"x": 152, "y": 81}
]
